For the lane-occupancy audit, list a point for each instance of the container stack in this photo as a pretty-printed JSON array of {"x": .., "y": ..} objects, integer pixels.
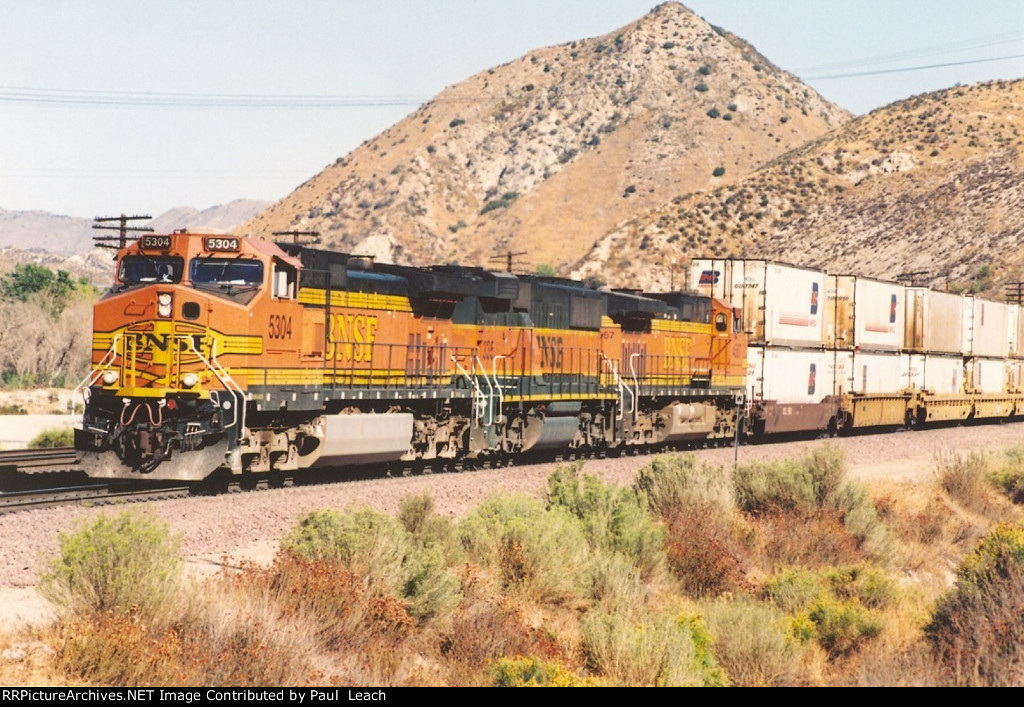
[{"x": 847, "y": 350}]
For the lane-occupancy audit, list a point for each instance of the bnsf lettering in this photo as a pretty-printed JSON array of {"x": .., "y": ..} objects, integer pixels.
[
  {"x": 149, "y": 341},
  {"x": 678, "y": 346},
  {"x": 279, "y": 327},
  {"x": 351, "y": 337},
  {"x": 551, "y": 348}
]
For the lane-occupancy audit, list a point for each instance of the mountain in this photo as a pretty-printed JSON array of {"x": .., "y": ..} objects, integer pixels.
[
  {"x": 933, "y": 183},
  {"x": 546, "y": 154},
  {"x": 65, "y": 242}
]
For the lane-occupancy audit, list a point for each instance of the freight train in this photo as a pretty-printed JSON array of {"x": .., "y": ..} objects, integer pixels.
[
  {"x": 217, "y": 355},
  {"x": 220, "y": 354}
]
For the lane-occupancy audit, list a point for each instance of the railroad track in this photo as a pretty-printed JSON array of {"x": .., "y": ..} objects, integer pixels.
[
  {"x": 84, "y": 494},
  {"x": 21, "y": 459}
]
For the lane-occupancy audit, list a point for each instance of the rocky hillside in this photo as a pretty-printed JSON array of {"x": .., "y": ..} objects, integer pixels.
[
  {"x": 548, "y": 153},
  {"x": 932, "y": 183},
  {"x": 66, "y": 242}
]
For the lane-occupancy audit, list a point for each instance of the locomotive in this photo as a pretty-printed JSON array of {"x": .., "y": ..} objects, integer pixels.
[{"x": 219, "y": 354}]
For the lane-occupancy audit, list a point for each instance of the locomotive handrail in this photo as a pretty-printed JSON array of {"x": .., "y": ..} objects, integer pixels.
[
  {"x": 95, "y": 373},
  {"x": 494, "y": 372},
  {"x": 477, "y": 390},
  {"x": 636, "y": 383},
  {"x": 226, "y": 380},
  {"x": 490, "y": 391},
  {"x": 622, "y": 386}
]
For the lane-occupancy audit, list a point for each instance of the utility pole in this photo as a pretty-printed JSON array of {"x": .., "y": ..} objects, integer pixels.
[
  {"x": 507, "y": 258},
  {"x": 1015, "y": 292},
  {"x": 915, "y": 276},
  {"x": 314, "y": 236},
  {"x": 122, "y": 228}
]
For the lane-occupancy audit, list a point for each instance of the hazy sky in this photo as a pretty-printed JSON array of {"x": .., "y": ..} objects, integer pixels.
[{"x": 112, "y": 106}]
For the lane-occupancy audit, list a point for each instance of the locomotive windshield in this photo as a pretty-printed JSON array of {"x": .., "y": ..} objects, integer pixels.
[
  {"x": 136, "y": 269},
  {"x": 226, "y": 271}
]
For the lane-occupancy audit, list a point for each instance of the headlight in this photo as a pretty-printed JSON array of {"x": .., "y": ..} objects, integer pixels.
[
  {"x": 189, "y": 380},
  {"x": 109, "y": 377},
  {"x": 163, "y": 304}
]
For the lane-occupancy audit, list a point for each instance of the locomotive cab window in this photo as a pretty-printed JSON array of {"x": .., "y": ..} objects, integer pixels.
[
  {"x": 226, "y": 271},
  {"x": 139, "y": 269},
  {"x": 721, "y": 324}
]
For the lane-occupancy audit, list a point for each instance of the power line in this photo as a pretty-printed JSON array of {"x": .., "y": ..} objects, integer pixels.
[
  {"x": 906, "y": 69},
  {"x": 919, "y": 53}
]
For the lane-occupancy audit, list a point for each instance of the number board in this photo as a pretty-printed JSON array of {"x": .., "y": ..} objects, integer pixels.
[
  {"x": 156, "y": 242},
  {"x": 221, "y": 244}
]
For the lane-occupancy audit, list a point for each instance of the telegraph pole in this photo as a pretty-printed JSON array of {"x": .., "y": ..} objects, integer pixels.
[
  {"x": 1015, "y": 292},
  {"x": 122, "y": 228},
  {"x": 314, "y": 236},
  {"x": 507, "y": 258}
]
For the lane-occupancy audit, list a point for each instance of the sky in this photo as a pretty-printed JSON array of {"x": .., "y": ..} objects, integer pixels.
[{"x": 139, "y": 106}]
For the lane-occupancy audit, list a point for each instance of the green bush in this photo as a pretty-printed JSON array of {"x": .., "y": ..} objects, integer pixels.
[
  {"x": 833, "y": 605},
  {"x": 1009, "y": 478},
  {"x": 965, "y": 479},
  {"x": 705, "y": 541},
  {"x": 649, "y": 648},
  {"x": 801, "y": 486},
  {"x": 530, "y": 672},
  {"x": 382, "y": 554},
  {"x": 365, "y": 542},
  {"x": 754, "y": 644},
  {"x": 977, "y": 629},
  {"x": 843, "y": 626},
  {"x": 713, "y": 113},
  {"x": 718, "y": 172},
  {"x": 52, "y": 438},
  {"x": 125, "y": 564},
  {"x": 674, "y": 483},
  {"x": 542, "y": 553},
  {"x": 616, "y": 519}
]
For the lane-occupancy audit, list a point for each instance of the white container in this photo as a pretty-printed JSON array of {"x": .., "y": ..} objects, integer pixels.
[
  {"x": 865, "y": 314},
  {"x": 933, "y": 321},
  {"x": 988, "y": 375},
  {"x": 787, "y": 375},
  {"x": 877, "y": 373},
  {"x": 986, "y": 327},
  {"x": 1015, "y": 375},
  {"x": 781, "y": 304},
  {"x": 1013, "y": 328},
  {"x": 942, "y": 375}
]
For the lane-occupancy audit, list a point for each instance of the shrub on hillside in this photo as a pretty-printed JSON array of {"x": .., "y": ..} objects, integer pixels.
[
  {"x": 977, "y": 629},
  {"x": 616, "y": 519},
  {"x": 754, "y": 644},
  {"x": 649, "y": 648},
  {"x": 125, "y": 564},
  {"x": 965, "y": 479},
  {"x": 384, "y": 557},
  {"x": 836, "y": 606},
  {"x": 813, "y": 489},
  {"x": 706, "y": 542},
  {"x": 52, "y": 438},
  {"x": 541, "y": 552},
  {"x": 1009, "y": 477}
]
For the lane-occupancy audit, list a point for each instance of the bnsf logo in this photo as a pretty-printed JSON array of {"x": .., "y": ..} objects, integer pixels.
[
  {"x": 351, "y": 337},
  {"x": 162, "y": 342}
]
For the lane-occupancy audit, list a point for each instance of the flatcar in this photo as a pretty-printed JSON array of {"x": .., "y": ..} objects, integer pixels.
[{"x": 218, "y": 354}]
